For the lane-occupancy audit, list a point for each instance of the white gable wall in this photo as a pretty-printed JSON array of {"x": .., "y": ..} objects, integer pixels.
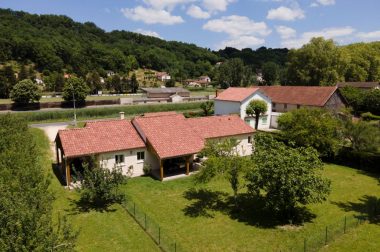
[{"x": 230, "y": 107}]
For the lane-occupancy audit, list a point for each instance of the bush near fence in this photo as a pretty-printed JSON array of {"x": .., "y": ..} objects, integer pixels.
[
  {"x": 87, "y": 113},
  {"x": 152, "y": 228}
]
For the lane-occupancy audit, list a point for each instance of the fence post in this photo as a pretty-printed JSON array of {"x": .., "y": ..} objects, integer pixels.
[
  {"x": 145, "y": 221},
  {"x": 326, "y": 237},
  {"x": 345, "y": 224},
  {"x": 134, "y": 209},
  {"x": 304, "y": 245},
  {"x": 175, "y": 247},
  {"x": 159, "y": 235}
]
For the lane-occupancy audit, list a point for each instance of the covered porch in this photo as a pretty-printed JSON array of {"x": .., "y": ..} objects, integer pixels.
[{"x": 176, "y": 167}]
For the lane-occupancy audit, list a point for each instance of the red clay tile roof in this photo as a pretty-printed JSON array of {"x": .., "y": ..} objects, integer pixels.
[
  {"x": 100, "y": 137},
  {"x": 302, "y": 95},
  {"x": 170, "y": 135},
  {"x": 219, "y": 126},
  {"x": 236, "y": 94}
]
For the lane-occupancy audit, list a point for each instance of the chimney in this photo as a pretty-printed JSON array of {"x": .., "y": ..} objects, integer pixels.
[{"x": 121, "y": 115}]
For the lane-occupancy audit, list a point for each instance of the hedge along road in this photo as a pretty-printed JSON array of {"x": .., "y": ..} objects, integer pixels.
[{"x": 65, "y": 115}]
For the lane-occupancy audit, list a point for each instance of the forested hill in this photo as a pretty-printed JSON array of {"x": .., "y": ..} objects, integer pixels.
[{"x": 56, "y": 42}]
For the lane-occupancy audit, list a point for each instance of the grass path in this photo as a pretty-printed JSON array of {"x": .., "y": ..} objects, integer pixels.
[{"x": 114, "y": 230}]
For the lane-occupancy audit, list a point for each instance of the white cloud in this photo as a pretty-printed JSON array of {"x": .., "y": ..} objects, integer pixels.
[
  {"x": 286, "y": 32},
  {"x": 237, "y": 26},
  {"x": 148, "y": 33},
  {"x": 374, "y": 35},
  {"x": 165, "y": 4},
  {"x": 322, "y": 2},
  {"x": 241, "y": 42},
  {"x": 242, "y": 31},
  {"x": 197, "y": 12},
  {"x": 216, "y": 5},
  {"x": 328, "y": 33},
  {"x": 326, "y": 2},
  {"x": 286, "y": 14},
  {"x": 151, "y": 16}
]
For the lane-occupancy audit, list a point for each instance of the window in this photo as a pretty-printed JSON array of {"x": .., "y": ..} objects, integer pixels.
[
  {"x": 140, "y": 155},
  {"x": 264, "y": 120},
  {"x": 249, "y": 139},
  {"x": 285, "y": 106},
  {"x": 119, "y": 159},
  {"x": 273, "y": 105},
  {"x": 298, "y": 106}
]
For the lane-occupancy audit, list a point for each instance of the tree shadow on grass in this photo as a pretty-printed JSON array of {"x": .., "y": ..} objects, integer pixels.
[
  {"x": 81, "y": 206},
  {"x": 57, "y": 173},
  {"x": 248, "y": 209},
  {"x": 368, "y": 207}
]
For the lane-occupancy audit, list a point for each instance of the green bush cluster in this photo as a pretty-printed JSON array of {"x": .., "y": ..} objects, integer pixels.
[{"x": 369, "y": 116}]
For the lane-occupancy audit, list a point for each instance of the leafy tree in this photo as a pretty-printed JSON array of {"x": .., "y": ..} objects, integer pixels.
[
  {"x": 286, "y": 177},
  {"x": 270, "y": 72},
  {"x": 207, "y": 108},
  {"x": 132, "y": 63},
  {"x": 25, "y": 91},
  {"x": 114, "y": 82},
  {"x": 26, "y": 200},
  {"x": 133, "y": 84},
  {"x": 75, "y": 88},
  {"x": 317, "y": 128},
  {"x": 354, "y": 97},
  {"x": 93, "y": 82},
  {"x": 363, "y": 136},
  {"x": 224, "y": 161},
  {"x": 170, "y": 83},
  {"x": 231, "y": 73},
  {"x": 7, "y": 81},
  {"x": 100, "y": 185},
  {"x": 371, "y": 101},
  {"x": 256, "y": 108},
  {"x": 23, "y": 74},
  {"x": 318, "y": 63}
]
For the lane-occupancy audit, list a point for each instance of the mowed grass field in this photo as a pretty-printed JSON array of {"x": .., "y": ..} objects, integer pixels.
[
  {"x": 202, "y": 218},
  {"x": 111, "y": 230}
]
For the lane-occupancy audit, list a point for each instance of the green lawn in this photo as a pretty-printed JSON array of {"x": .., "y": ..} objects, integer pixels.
[
  {"x": 202, "y": 219},
  {"x": 112, "y": 230}
]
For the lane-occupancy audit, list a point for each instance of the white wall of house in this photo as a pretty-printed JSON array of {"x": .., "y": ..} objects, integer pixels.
[
  {"x": 226, "y": 107},
  {"x": 244, "y": 147},
  {"x": 108, "y": 160},
  {"x": 229, "y": 107}
]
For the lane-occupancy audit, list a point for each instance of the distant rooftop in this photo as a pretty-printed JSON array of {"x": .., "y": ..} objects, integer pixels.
[{"x": 171, "y": 90}]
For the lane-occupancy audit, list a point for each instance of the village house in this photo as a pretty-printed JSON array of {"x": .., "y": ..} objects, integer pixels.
[
  {"x": 279, "y": 99},
  {"x": 165, "y": 92},
  {"x": 166, "y": 142},
  {"x": 163, "y": 76},
  {"x": 202, "y": 81}
]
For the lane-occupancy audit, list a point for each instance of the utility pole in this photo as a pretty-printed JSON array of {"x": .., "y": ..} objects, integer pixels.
[{"x": 75, "y": 113}]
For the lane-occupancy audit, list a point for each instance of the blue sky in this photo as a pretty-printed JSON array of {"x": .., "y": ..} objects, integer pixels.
[{"x": 218, "y": 23}]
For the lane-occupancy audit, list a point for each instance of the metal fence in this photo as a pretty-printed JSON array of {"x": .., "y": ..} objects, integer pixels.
[
  {"x": 154, "y": 230},
  {"x": 327, "y": 234}
]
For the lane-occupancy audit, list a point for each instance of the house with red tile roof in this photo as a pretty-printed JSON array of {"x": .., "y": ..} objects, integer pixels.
[
  {"x": 165, "y": 141},
  {"x": 280, "y": 100},
  {"x": 235, "y": 100}
]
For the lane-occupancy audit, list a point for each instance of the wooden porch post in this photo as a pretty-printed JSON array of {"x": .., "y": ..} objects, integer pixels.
[
  {"x": 57, "y": 153},
  {"x": 68, "y": 175},
  {"x": 161, "y": 170},
  {"x": 187, "y": 165}
]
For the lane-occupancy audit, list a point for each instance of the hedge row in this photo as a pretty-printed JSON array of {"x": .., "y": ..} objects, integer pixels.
[{"x": 88, "y": 113}]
